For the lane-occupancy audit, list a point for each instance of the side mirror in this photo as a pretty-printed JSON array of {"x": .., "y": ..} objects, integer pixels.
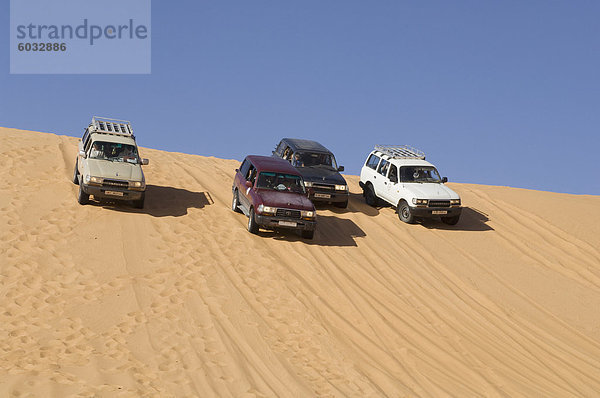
[
  {"x": 145, "y": 162},
  {"x": 249, "y": 184},
  {"x": 82, "y": 154},
  {"x": 444, "y": 179},
  {"x": 341, "y": 168},
  {"x": 237, "y": 170}
]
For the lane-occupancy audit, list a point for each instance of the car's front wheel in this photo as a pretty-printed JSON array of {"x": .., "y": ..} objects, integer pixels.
[
  {"x": 235, "y": 205},
  {"x": 370, "y": 196},
  {"x": 82, "y": 197},
  {"x": 252, "y": 225},
  {"x": 404, "y": 213},
  {"x": 76, "y": 174}
]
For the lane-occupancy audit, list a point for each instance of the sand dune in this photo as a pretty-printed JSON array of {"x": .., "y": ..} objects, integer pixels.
[{"x": 179, "y": 299}]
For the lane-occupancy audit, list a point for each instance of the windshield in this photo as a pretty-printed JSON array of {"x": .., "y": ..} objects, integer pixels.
[
  {"x": 280, "y": 182},
  {"x": 114, "y": 152},
  {"x": 309, "y": 159},
  {"x": 419, "y": 174}
]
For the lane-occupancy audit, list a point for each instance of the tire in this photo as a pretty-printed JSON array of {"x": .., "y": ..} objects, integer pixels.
[
  {"x": 370, "y": 196},
  {"x": 235, "y": 205},
  {"x": 308, "y": 234},
  {"x": 404, "y": 213},
  {"x": 139, "y": 204},
  {"x": 76, "y": 174},
  {"x": 341, "y": 205},
  {"x": 82, "y": 197},
  {"x": 451, "y": 220},
  {"x": 252, "y": 225}
]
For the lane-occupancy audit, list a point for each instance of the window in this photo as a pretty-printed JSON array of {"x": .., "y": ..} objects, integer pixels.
[
  {"x": 373, "y": 161},
  {"x": 280, "y": 148},
  {"x": 383, "y": 167},
  {"x": 280, "y": 182},
  {"x": 393, "y": 175},
  {"x": 86, "y": 137},
  {"x": 313, "y": 159},
  {"x": 251, "y": 175},
  {"x": 113, "y": 151},
  {"x": 244, "y": 167},
  {"x": 419, "y": 174}
]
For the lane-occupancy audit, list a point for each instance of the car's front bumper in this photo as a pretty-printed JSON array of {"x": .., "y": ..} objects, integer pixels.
[
  {"x": 271, "y": 222},
  {"x": 327, "y": 196},
  {"x": 100, "y": 193},
  {"x": 428, "y": 212}
]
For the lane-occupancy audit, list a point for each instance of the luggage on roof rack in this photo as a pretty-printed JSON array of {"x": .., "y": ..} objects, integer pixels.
[
  {"x": 111, "y": 126},
  {"x": 400, "y": 151}
]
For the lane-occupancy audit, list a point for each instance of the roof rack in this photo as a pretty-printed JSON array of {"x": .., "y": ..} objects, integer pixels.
[
  {"x": 111, "y": 126},
  {"x": 400, "y": 151}
]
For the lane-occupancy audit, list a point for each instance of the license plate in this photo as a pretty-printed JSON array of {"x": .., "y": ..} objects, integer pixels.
[
  {"x": 322, "y": 195},
  {"x": 114, "y": 193},
  {"x": 287, "y": 224},
  {"x": 439, "y": 212}
]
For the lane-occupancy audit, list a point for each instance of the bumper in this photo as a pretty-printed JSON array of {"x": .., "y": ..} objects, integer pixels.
[
  {"x": 100, "y": 193},
  {"x": 334, "y": 196},
  {"x": 427, "y": 212},
  {"x": 270, "y": 222}
]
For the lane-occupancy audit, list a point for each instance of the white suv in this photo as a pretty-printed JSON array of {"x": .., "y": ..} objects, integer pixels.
[{"x": 399, "y": 175}]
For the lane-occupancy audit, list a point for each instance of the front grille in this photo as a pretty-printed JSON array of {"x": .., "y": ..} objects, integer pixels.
[
  {"x": 325, "y": 187},
  {"x": 439, "y": 203},
  {"x": 289, "y": 213},
  {"x": 115, "y": 183}
]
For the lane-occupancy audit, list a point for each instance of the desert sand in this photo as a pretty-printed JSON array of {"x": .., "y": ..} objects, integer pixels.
[{"x": 180, "y": 300}]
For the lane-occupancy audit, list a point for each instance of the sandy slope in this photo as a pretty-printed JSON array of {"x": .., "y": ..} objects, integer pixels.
[{"x": 180, "y": 300}]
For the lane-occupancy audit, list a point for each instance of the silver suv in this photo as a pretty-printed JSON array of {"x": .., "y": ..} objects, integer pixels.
[{"x": 108, "y": 164}]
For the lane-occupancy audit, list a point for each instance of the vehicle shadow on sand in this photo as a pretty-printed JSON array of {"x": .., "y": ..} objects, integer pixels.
[
  {"x": 356, "y": 204},
  {"x": 470, "y": 220},
  {"x": 331, "y": 231},
  {"x": 164, "y": 201}
]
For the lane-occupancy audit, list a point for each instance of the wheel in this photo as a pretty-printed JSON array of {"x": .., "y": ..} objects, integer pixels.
[
  {"x": 308, "y": 234},
  {"x": 370, "y": 196},
  {"x": 235, "y": 205},
  {"x": 404, "y": 213},
  {"x": 341, "y": 205},
  {"x": 82, "y": 197},
  {"x": 139, "y": 204},
  {"x": 252, "y": 225},
  {"x": 451, "y": 220},
  {"x": 76, "y": 174}
]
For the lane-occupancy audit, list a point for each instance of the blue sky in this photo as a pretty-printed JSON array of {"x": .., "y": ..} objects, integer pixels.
[{"x": 499, "y": 93}]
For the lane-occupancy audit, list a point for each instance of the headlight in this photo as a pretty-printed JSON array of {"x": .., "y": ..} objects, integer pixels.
[
  {"x": 341, "y": 187},
  {"x": 307, "y": 184},
  {"x": 455, "y": 202},
  {"x": 137, "y": 184},
  {"x": 94, "y": 180},
  {"x": 308, "y": 214},
  {"x": 419, "y": 201},
  {"x": 266, "y": 209}
]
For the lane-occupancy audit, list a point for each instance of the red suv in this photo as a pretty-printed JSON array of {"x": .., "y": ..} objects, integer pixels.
[{"x": 272, "y": 194}]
